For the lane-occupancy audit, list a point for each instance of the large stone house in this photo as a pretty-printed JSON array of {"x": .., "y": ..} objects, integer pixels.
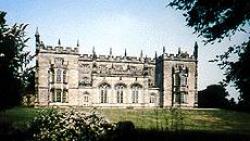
[{"x": 65, "y": 77}]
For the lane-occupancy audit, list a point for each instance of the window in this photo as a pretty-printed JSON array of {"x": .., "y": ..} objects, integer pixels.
[
  {"x": 59, "y": 61},
  {"x": 135, "y": 92},
  {"x": 104, "y": 93},
  {"x": 64, "y": 76},
  {"x": 181, "y": 97},
  {"x": 195, "y": 97},
  {"x": 86, "y": 98},
  {"x": 104, "y": 96},
  {"x": 52, "y": 77},
  {"x": 64, "y": 99},
  {"x": 152, "y": 98},
  {"x": 58, "y": 75},
  {"x": 119, "y": 94},
  {"x": 52, "y": 92},
  {"x": 177, "y": 80},
  {"x": 58, "y": 95},
  {"x": 183, "y": 79}
]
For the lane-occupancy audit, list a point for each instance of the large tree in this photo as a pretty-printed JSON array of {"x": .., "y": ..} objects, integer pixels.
[
  {"x": 214, "y": 20},
  {"x": 214, "y": 96},
  {"x": 13, "y": 63}
]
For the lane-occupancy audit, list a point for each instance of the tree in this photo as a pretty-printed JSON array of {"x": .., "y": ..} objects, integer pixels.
[
  {"x": 214, "y": 96},
  {"x": 13, "y": 63},
  {"x": 214, "y": 20}
]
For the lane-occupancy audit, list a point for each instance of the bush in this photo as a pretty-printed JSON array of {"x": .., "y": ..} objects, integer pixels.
[{"x": 56, "y": 126}]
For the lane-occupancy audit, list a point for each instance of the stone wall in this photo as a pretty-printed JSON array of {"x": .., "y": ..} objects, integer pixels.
[{"x": 82, "y": 76}]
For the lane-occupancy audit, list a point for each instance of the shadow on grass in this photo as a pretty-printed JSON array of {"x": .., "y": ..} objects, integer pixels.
[{"x": 126, "y": 131}]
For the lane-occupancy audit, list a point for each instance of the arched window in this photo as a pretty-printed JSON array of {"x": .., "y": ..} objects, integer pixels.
[
  {"x": 119, "y": 93},
  {"x": 58, "y": 75},
  {"x": 135, "y": 92},
  {"x": 85, "y": 96},
  {"x": 104, "y": 92}
]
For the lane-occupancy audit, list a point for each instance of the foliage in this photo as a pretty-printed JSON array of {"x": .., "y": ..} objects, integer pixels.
[
  {"x": 52, "y": 125},
  {"x": 13, "y": 63},
  {"x": 238, "y": 71},
  {"x": 214, "y": 96},
  {"x": 201, "y": 120},
  {"x": 214, "y": 20}
]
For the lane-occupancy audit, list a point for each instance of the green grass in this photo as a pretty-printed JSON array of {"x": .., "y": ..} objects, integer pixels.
[
  {"x": 19, "y": 116},
  {"x": 202, "y": 120}
]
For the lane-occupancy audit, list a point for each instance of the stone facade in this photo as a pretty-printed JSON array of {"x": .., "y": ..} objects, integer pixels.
[{"x": 65, "y": 77}]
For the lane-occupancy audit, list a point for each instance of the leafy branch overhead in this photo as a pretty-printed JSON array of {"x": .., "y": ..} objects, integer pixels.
[
  {"x": 14, "y": 60},
  {"x": 215, "y": 19}
]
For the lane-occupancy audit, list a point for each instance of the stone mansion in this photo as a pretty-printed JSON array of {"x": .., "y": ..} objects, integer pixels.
[{"x": 66, "y": 77}]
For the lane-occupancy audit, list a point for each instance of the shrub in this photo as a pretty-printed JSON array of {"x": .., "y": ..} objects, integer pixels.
[{"x": 56, "y": 126}]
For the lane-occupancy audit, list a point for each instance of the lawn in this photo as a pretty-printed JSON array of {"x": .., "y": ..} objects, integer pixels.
[{"x": 201, "y": 120}]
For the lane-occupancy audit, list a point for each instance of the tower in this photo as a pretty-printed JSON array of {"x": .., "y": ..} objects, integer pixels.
[{"x": 177, "y": 76}]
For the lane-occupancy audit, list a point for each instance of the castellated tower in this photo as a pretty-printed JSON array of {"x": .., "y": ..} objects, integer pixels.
[
  {"x": 56, "y": 65},
  {"x": 177, "y": 78},
  {"x": 65, "y": 77}
]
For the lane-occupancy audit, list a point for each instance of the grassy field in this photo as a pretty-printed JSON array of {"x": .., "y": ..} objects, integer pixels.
[{"x": 202, "y": 120}]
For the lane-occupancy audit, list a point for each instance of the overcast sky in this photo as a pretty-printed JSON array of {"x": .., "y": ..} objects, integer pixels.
[{"x": 136, "y": 25}]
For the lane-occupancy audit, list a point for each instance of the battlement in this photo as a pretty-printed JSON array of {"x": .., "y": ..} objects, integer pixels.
[
  {"x": 57, "y": 49},
  {"x": 180, "y": 56},
  {"x": 176, "y": 57},
  {"x": 111, "y": 58}
]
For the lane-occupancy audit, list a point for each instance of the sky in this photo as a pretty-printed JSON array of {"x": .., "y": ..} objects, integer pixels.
[{"x": 136, "y": 25}]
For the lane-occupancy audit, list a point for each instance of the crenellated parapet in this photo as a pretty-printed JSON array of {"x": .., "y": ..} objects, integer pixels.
[
  {"x": 111, "y": 58},
  {"x": 180, "y": 56},
  {"x": 57, "y": 49}
]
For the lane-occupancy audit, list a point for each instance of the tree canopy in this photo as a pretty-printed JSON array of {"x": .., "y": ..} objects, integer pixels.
[
  {"x": 13, "y": 63},
  {"x": 214, "y": 20},
  {"x": 214, "y": 96}
]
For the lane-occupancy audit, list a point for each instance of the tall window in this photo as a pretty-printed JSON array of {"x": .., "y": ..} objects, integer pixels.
[
  {"x": 52, "y": 77},
  {"x": 104, "y": 93},
  {"x": 64, "y": 98},
  {"x": 64, "y": 77},
  {"x": 119, "y": 93},
  {"x": 177, "y": 80},
  {"x": 181, "y": 97},
  {"x": 56, "y": 95},
  {"x": 58, "y": 75},
  {"x": 135, "y": 92},
  {"x": 183, "y": 79}
]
